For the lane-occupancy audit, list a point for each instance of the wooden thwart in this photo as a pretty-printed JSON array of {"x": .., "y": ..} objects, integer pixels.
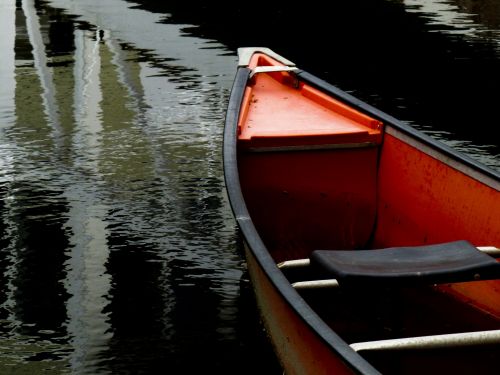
[
  {"x": 490, "y": 250},
  {"x": 452, "y": 340},
  {"x": 316, "y": 284}
]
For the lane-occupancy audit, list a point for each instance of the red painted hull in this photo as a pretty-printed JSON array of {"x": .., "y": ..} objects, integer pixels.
[
  {"x": 309, "y": 167},
  {"x": 299, "y": 349}
]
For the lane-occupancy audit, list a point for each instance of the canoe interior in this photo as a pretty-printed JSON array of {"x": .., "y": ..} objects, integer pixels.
[
  {"x": 300, "y": 205},
  {"x": 361, "y": 184}
]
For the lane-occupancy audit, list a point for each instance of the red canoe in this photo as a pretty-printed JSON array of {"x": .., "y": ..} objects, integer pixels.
[{"x": 370, "y": 246}]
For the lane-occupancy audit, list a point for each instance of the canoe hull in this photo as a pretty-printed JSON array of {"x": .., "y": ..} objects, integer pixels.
[
  {"x": 354, "y": 178},
  {"x": 300, "y": 350}
]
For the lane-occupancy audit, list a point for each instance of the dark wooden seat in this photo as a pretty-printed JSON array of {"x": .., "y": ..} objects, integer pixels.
[{"x": 457, "y": 261}]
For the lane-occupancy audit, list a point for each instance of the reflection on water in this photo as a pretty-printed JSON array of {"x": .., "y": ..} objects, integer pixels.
[
  {"x": 473, "y": 28},
  {"x": 479, "y": 19},
  {"x": 118, "y": 250}
]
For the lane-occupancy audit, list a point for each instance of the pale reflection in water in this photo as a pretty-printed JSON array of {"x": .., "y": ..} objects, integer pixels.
[{"x": 111, "y": 185}]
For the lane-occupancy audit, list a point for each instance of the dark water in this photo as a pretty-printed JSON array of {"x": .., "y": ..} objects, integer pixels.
[{"x": 118, "y": 249}]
